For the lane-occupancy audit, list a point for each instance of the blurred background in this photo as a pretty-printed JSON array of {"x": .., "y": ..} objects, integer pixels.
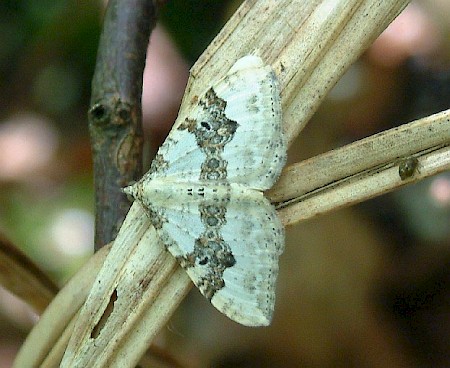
[{"x": 366, "y": 286}]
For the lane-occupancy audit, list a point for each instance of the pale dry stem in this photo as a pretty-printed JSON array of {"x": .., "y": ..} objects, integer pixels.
[
  {"x": 21, "y": 277},
  {"x": 363, "y": 169}
]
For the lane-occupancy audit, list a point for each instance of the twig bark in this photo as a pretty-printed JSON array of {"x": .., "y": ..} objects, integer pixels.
[{"x": 115, "y": 118}]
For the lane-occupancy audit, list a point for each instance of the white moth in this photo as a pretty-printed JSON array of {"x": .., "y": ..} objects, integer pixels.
[{"x": 203, "y": 192}]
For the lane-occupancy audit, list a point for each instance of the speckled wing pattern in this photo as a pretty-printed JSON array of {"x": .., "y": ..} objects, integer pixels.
[{"x": 203, "y": 192}]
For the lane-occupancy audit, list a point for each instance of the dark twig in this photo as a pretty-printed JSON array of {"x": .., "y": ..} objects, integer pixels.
[{"x": 115, "y": 118}]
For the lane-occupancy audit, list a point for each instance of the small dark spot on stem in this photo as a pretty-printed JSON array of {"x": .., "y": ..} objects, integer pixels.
[{"x": 407, "y": 167}]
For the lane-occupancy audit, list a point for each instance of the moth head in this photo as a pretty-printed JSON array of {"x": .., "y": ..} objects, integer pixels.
[{"x": 130, "y": 191}]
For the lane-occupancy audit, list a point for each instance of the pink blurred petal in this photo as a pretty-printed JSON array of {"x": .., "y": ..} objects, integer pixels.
[{"x": 27, "y": 144}]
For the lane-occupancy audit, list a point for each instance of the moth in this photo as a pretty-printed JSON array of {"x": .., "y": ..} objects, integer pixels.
[{"x": 204, "y": 191}]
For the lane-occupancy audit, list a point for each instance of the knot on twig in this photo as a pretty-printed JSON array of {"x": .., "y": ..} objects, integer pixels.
[{"x": 111, "y": 112}]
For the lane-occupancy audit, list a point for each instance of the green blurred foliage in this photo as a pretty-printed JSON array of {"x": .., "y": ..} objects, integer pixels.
[
  {"x": 27, "y": 214},
  {"x": 47, "y": 57},
  {"x": 194, "y": 23}
]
